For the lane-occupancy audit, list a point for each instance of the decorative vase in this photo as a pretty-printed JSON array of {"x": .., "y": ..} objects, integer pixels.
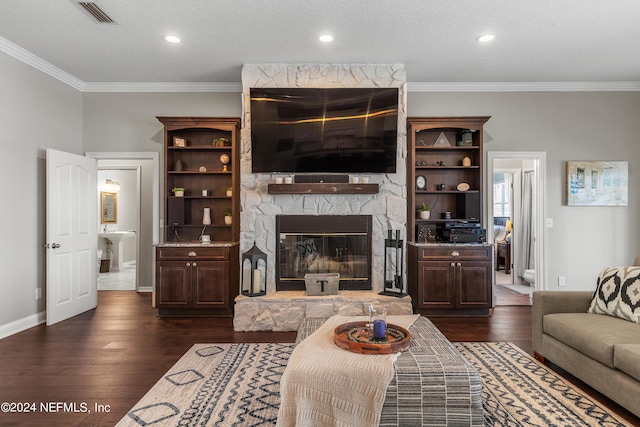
[
  {"x": 228, "y": 220},
  {"x": 425, "y": 214},
  {"x": 229, "y": 193},
  {"x": 466, "y": 161},
  {"x": 206, "y": 216}
]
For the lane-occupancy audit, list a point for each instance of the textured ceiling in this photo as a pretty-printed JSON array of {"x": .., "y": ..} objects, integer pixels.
[{"x": 536, "y": 41}]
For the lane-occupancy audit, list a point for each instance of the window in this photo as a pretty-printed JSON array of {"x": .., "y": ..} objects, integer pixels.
[{"x": 501, "y": 199}]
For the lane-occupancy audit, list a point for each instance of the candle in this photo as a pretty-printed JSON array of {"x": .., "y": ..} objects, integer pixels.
[
  {"x": 257, "y": 280},
  {"x": 379, "y": 329}
]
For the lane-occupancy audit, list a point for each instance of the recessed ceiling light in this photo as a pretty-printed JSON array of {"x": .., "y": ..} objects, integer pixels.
[
  {"x": 172, "y": 39},
  {"x": 485, "y": 38},
  {"x": 326, "y": 38}
]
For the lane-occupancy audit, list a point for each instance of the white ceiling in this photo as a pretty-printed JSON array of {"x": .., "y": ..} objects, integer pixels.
[{"x": 543, "y": 41}]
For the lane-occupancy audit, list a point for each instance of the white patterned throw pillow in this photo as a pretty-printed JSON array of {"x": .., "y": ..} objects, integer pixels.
[{"x": 618, "y": 293}]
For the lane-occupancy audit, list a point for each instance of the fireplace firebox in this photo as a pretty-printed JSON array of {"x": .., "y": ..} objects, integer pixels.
[{"x": 323, "y": 244}]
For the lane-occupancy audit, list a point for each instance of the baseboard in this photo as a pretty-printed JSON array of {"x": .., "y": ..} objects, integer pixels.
[
  {"x": 22, "y": 324},
  {"x": 145, "y": 289}
]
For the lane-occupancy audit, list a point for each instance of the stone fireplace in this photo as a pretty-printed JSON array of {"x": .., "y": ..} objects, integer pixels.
[
  {"x": 387, "y": 208},
  {"x": 323, "y": 244},
  {"x": 283, "y": 310}
]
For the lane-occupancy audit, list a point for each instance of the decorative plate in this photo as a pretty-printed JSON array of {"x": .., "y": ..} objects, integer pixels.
[
  {"x": 354, "y": 336},
  {"x": 463, "y": 186}
]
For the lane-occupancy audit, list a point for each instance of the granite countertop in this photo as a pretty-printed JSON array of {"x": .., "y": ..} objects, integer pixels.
[
  {"x": 436, "y": 244},
  {"x": 197, "y": 245}
]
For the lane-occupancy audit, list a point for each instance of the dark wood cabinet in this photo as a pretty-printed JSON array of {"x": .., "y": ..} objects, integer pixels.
[
  {"x": 448, "y": 279},
  {"x": 446, "y": 155},
  {"x": 201, "y": 157},
  {"x": 196, "y": 280}
]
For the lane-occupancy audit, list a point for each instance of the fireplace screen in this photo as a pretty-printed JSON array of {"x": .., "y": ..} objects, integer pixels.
[{"x": 323, "y": 251}]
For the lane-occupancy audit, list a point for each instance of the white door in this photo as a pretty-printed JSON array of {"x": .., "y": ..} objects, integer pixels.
[{"x": 72, "y": 236}]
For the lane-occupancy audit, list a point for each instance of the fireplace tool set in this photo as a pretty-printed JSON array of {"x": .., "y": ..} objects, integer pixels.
[{"x": 393, "y": 251}]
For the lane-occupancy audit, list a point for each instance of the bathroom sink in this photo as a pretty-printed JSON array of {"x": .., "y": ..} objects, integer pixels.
[{"x": 116, "y": 238}]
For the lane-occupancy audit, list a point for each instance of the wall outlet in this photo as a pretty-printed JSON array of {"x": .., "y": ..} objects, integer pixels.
[
  {"x": 38, "y": 293},
  {"x": 561, "y": 281},
  {"x": 549, "y": 222}
]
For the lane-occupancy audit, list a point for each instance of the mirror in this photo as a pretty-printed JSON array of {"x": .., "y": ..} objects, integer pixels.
[{"x": 109, "y": 207}]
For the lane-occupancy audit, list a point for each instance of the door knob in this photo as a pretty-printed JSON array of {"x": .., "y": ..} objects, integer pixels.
[{"x": 55, "y": 246}]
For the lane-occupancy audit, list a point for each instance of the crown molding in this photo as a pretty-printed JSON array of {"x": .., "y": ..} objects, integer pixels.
[
  {"x": 162, "y": 87},
  {"x": 524, "y": 87},
  {"x": 29, "y": 58},
  {"x": 38, "y": 63}
]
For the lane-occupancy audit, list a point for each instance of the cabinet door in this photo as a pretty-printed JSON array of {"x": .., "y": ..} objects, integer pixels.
[
  {"x": 436, "y": 284},
  {"x": 173, "y": 284},
  {"x": 473, "y": 284},
  {"x": 210, "y": 284}
]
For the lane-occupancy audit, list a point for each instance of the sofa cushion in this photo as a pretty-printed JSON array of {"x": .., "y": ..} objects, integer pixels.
[
  {"x": 626, "y": 357},
  {"x": 618, "y": 293},
  {"x": 592, "y": 334}
]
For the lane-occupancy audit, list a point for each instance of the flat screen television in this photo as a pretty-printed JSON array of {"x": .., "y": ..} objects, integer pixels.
[{"x": 331, "y": 130}]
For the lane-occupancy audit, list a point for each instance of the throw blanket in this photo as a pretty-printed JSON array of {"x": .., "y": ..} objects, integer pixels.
[{"x": 325, "y": 385}]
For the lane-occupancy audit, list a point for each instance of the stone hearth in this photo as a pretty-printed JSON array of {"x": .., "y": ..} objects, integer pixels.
[{"x": 285, "y": 310}]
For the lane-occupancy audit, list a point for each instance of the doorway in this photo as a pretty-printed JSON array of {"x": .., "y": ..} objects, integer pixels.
[
  {"x": 146, "y": 164},
  {"x": 515, "y": 187},
  {"x": 118, "y": 245}
]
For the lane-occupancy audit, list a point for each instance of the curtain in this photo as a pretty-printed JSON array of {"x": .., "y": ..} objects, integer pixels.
[{"x": 523, "y": 229}]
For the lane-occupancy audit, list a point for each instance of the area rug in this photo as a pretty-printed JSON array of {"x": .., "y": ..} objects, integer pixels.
[{"x": 238, "y": 385}]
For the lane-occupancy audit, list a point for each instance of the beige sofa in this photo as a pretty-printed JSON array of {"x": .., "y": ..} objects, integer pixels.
[{"x": 601, "y": 350}]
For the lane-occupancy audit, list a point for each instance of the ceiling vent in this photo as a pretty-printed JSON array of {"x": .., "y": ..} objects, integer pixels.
[{"x": 94, "y": 9}]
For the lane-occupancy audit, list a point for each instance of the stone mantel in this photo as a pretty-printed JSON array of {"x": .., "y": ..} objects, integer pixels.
[{"x": 323, "y": 188}]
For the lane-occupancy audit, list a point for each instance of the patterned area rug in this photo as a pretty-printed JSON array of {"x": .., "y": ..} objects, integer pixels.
[
  {"x": 517, "y": 390},
  {"x": 238, "y": 385}
]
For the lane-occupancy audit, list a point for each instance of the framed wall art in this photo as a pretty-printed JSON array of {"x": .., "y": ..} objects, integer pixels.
[
  {"x": 597, "y": 183},
  {"x": 109, "y": 207}
]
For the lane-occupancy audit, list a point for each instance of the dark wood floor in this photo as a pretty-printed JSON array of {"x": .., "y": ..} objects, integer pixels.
[{"x": 113, "y": 355}]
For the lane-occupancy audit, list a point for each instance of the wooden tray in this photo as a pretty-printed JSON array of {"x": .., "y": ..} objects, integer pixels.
[{"x": 353, "y": 336}]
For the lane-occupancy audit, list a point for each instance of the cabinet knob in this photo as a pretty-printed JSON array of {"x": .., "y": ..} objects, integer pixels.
[
  {"x": 188, "y": 264},
  {"x": 192, "y": 253},
  {"x": 453, "y": 264},
  {"x": 194, "y": 264},
  {"x": 455, "y": 253},
  {"x": 458, "y": 264}
]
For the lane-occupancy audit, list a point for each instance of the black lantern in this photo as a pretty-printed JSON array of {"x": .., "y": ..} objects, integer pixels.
[
  {"x": 394, "y": 249},
  {"x": 254, "y": 272}
]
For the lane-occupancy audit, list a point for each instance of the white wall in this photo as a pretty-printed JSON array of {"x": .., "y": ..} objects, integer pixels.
[{"x": 36, "y": 112}]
